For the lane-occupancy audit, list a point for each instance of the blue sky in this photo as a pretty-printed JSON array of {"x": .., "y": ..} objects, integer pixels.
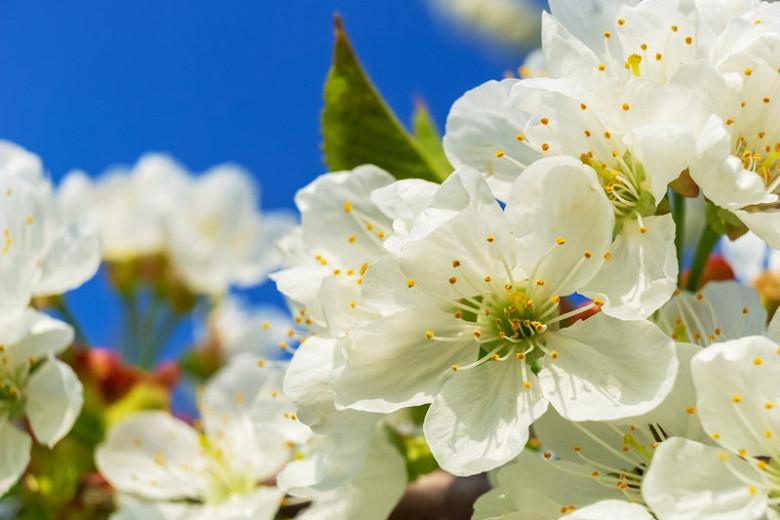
[{"x": 90, "y": 83}]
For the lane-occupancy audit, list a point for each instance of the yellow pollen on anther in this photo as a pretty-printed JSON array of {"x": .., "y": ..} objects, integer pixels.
[
  {"x": 560, "y": 241},
  {"x": 587, "y": 254},
  {"x": 715, "y": 436},
  {"x": 547, "y": 455},
  {"x": 642, "y": 229},
  {"x": 626, "y": 107},
  {"x": 768, "y": 405},
  {"x": 767, "y": 434},
  {"x": 261, "y": 363},
  {"x": 351, "y": 239},
  {"x": 410, "y": 283},
  {"x": 499, "y": 153},
  {"x": 545, "y": 147},
  {"x": 456, "y": 263},
  {"x": 477, "y": 334},
  {"x": 554, "y": 354},
  {"x": 544, "y": 121},
  {"x": 520, "y": 356},
  {"x": 659, "y": 56},
  {"x": 455, "y": 368},
  {"x": 752, "y": 491},
  {"x": 607, "y": 255},
  {"x": 675, "y": 28},
  {"x": 583, "y": 106},
  {"x": 607, "y": 35},
  {"x": 742, "y": 452},
  {"x": 757, "y": 360},
  {"x": 540, "y": 282},
  {"x": 690, "y": 410},
  {"x": 748, "y": 71},
  {"x": 736, "y": 398},
  {"x": 699, "y": 297},
  {"x": 490, "y": 239},
  {"x": 602, "y": 67},
  {"x": 688, "y": 40},
  {"x": 429, "y": 334},
  {"x": 347, "y": 206},
  {"x": 488, "y": 278},
  {"x": 266, "y": 325},
  {"x": 494, "y": 357},
  {"x": 453, "y": 280},
  {"x": 598, "y": 302},
  {"x": 724, "y": 457},
  {"x": 520, "y": 137},
  {"x": 621, "y": 21}
]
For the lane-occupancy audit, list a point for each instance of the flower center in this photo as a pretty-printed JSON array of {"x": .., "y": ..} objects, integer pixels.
[
  {"x": 225, "y": 482},
  {"x": 622, "y": 180},
  {"x": 760, "y": 157}
]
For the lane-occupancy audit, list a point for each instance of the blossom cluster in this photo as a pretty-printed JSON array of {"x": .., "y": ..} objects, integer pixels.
[{"x": 534, "y": 316}]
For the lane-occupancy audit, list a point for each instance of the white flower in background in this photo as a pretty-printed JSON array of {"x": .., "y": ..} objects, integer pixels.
[
  {"x": 44, "y": 251},
  {"x": 738, "y": 384},
  {"x": 509, "y": 21},
  {"x": 584, "y": 463},
  {"x": 128, "y": 205},
  {"x": 236, "y": 328},
  {"x": 36, "y": 386},
  {"x": 218, "y": 237},
  {"x": 250, "y": 430},
  {"x": 721, "y": 311},
  {"x": 471, "y": 315},
  {"x": 750, "y": 257}
]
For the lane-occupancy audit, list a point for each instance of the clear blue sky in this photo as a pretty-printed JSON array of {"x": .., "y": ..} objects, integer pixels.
[{"x": 90, "y": 83}]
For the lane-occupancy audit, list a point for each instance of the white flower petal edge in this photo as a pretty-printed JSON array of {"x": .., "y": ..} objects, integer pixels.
[
  {"x": 14, "y": 455},
  {"x": 611, "y": 510},
  {"x": 738, "y": 385},
  {"x": 607, "y": 369},
  {"x": 480, "y": 420},
  {"x": 482, "y": 132},
  {"x": 54, "y": 400},
  {"x": 690, "y": 481}
]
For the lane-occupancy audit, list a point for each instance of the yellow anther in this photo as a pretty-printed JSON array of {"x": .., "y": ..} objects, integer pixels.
[
  {"x": 626, "y": 107},
  {"x": 595, "y": 474},
  {"x": 699, "y": 297},
  {"x": 455, "y": 368},
  {"x": 508, "y": 286},
  {"x": 607, "y": 35},
  {"x": 607, "y": 255},
  {"x": 742, "y": 452},
  {"x": 453, "y": 280},
  {"x": 540, "y": 282},
  {"x": 659, "y": 56},
  {"x": 688, "y": 40},
  {"x": 767, "y": 434},
  {"x": 494, "y": 357},
  {"x": 520, "y": 356},
  {"x": 757, "y": 360},
  {"x": 352, "y": 305},
  {"x": 583, "y": 106},
  {"x": 410, "y": 283},
  {"x": 598, "y": 302},
  {"x": 520, "y": 137},
  {"x": 283, "y": 345},
  {"x": 768, "y": 405},
  {"x": 724, "y": 457},
  {"x": 748, "y": 71},
  {"x": 587, "y": 254},
  {"x": 621, "y": 21},
  {"x": 607, "y": 135},
  {"x": 29, "y": 220},
  {"x": 500, "y": 153},
  {"x": 347, "y": 206},
  {"x": 690, "y": 410},
  {"x": 642, "y": 229},
  {"x": 456, "y": 263},
  {"x": 602, "y": 67},
  {"x": 555, "y": 299},
  {"x": 351, "y": 239},
  {"x": 643, "y": 46},
  {"x": 490, "y": 239},
  {"x": 488, "y": 278},
  {"x": 736, "y": 398},
  {"x": 545, "y": 147},
  {"x": 554, "y": 354},
  {"x": 675, "y": 28},
  {"x": 266, "y": 325},
  {"x": 429, "y": 334},
  {"x": 752, "y": 491},
  {"x": 477, "y": 334},
  {"x": 560, "y": 241},
  {"x": 715, "y": 436}
]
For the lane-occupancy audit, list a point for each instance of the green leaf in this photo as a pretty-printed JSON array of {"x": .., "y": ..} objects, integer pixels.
[
  {"x": 429, "y": 138},
  {"x": 724, "y": 222},
  {"x": 359, "y": 128}
]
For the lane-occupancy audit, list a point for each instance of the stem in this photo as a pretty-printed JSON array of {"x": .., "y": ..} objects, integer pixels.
[
  {"x": 129, "y": 342},
  {"x": 62, "y": 307},
  {"x": 678, "y": 214},
  {"x": 705, "y": 246}
]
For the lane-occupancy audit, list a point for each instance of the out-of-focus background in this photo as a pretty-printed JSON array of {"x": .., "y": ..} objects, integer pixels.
[{"x": 89, "y": 84}]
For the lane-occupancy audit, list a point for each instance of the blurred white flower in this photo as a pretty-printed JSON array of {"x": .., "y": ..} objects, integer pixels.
[
  {"x": 36, "y": 386},
  {"x": 45, "y": 251},
  {"x": 237, "y": 328},
  {"x": 129, "y": 205},
  {"x": 218, "y": 237},
  {"x": 208, "y": 226},
  {"x": 176, "y": 472},
  {"x": 513, "y": 22}
]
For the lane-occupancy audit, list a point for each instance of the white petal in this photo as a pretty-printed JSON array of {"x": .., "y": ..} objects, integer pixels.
[
  {"x": 641, "y": 274},
  {"x": 540, "y": 210},
  {"x": 153, "y": 455},
  {"x": 18, "y": 274},
  {"x": 738, "y": 384},
  {"x": 14, "y": 455},
  {"x": 536, "y": 486},
  {"x": 54, "y": 400},
  {"x": 392, "y": 365},
  {"x": 72, "y": 258},
  {"x": 564, "y": 54},
  {"x": 334, "y": 456},
  {"x": 763, "y": 223},
  {"x": 263, "y": 257},
  {"x": 690, "y": 481},
  {"x": 674, "y": 413},
  {"x": 483, "y": 122},
  {"x": 480, "y": 419},
  {"x": 600, "y": 375},
  {"x": 746, "y": 256},
  {"x": 261, "y": 504},
  {"x": 374, "y": 491},
  {"x": 611, "y": 510},
  {"x": 43, "y": 336}
]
